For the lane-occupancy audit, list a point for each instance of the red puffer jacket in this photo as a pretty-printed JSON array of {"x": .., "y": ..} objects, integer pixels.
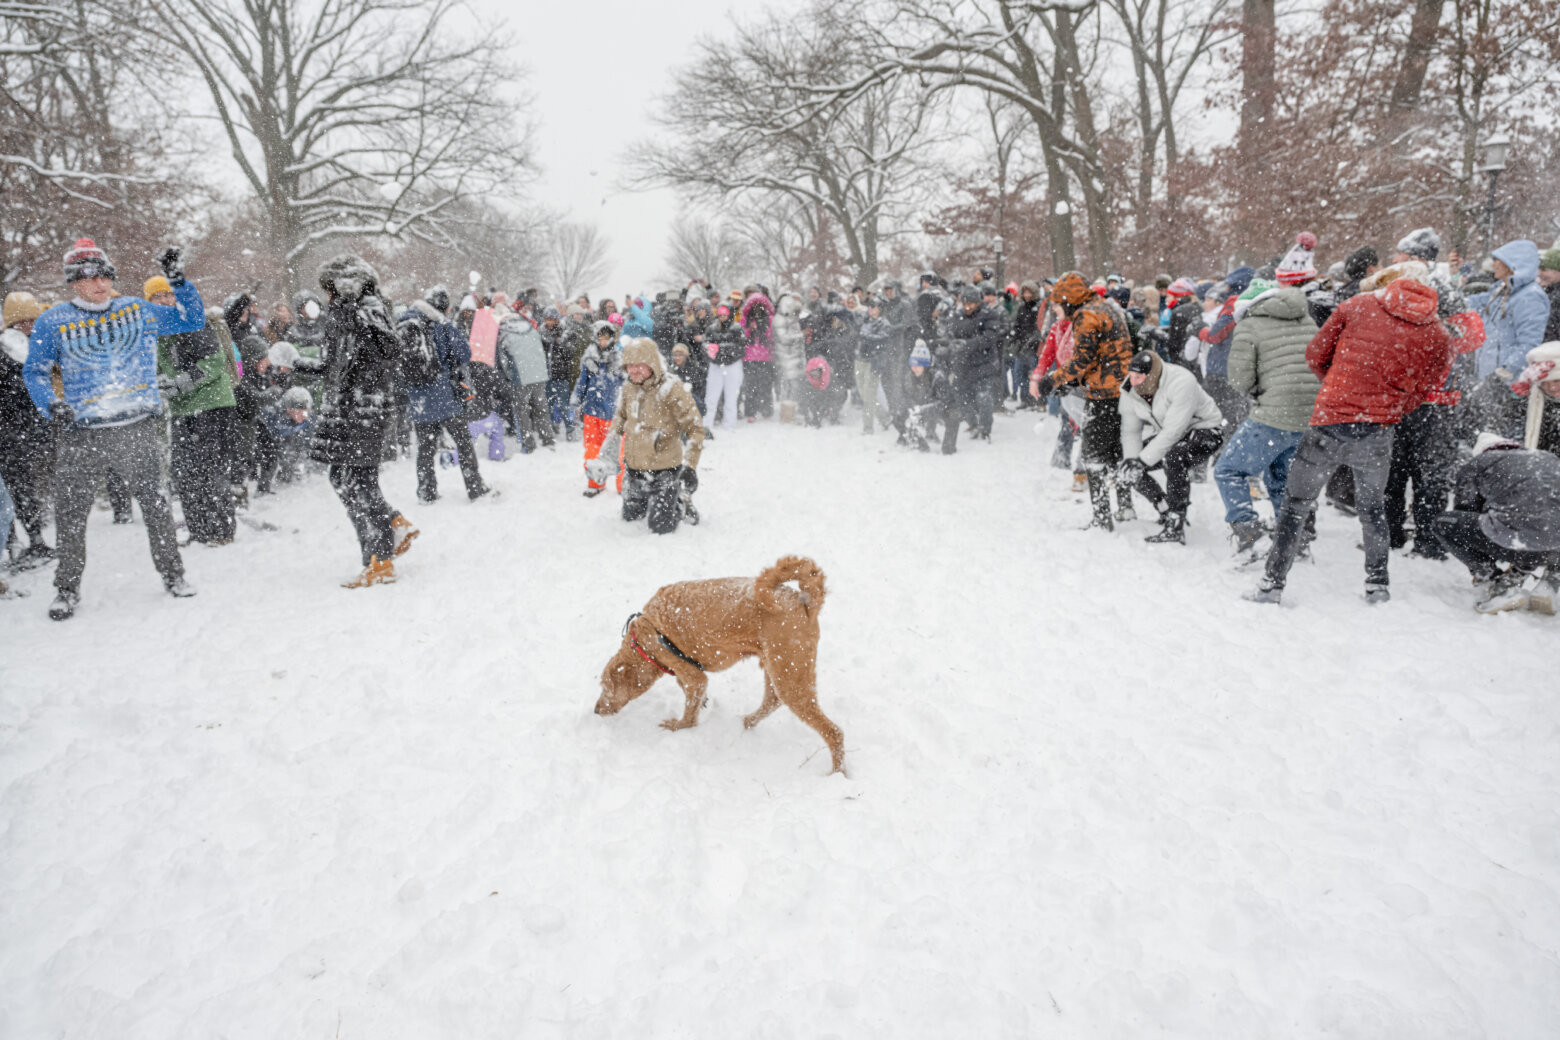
[{"x": 1379, "y": 356}]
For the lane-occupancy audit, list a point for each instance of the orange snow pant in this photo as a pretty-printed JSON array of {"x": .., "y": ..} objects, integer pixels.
[{"x": 595, "y": 437}]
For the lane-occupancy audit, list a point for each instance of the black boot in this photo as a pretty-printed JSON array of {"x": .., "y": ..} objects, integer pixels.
[
  {"x": 1172, "y": 529},
  {"x": 1099, "y": 500}
]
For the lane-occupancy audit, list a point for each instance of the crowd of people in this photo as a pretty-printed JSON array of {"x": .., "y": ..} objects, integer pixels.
[{"x": 1381, "y": 375}]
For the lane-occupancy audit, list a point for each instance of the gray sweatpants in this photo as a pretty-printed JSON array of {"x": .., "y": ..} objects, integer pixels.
[
  {"x": 1366, "y": 449},
  {"x": 85, "y": 456}
]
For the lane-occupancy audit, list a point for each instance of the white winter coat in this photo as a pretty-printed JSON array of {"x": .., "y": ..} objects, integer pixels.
[{"x": 1180, "y": 405}]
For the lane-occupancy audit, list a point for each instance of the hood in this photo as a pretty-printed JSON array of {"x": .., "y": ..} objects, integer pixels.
[
  {"x": 790, "y": 304},
  {"x": 1034, "y": 290},
  {"x": 426, "y": 310},
  {"x": 301, "y": 298},
  {"x": 641, "y": 350},
  {"x": 757, "y": 301},
  {"x": 1522, "y": 257},
  {"x": 1487, "y": 440},
  {"x": 1410, "y": 301},
  {"x": 1072, "y": 291},
  {"x": 1283, "y": 304}
]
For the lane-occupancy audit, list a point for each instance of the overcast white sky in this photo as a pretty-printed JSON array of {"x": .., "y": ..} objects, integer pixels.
[{"x": 596, "y": 68}]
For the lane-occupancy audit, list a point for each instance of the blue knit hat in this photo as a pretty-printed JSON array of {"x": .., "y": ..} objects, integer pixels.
[
  {"x": 921, "y": 356},
  {"x": 1239, "y": 279}
]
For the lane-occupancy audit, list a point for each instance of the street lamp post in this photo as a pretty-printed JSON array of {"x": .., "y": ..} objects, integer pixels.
[
  {"x": 997, "y": 242},
  {"x": 1495, "y": 151}
]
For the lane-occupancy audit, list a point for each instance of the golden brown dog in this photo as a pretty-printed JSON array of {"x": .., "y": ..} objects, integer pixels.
[{"x": 692, "y": 628}]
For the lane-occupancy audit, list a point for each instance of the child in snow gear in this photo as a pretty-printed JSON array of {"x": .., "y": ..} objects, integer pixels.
[
  {"x": 438, "y": 389},
  {"x": 106, "y": 349},
  {"x": 595, "y": 397}
]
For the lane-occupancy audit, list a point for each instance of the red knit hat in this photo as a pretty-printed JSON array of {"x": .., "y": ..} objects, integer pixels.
[
  {"x": 85, "y": 260},
  {"x": 1299, "y": 264}
]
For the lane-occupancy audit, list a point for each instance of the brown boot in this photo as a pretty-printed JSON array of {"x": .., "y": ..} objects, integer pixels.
[
  {"x": 378, "y": 572},
  {"x": 404, "y": 531}
]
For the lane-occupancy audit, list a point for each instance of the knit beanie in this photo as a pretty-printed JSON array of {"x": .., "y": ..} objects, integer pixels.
[
  {"x": 1549, "y": 260},
  {"x": 1238, "y": 279},
  {"x": 1359, "y": 263},
  {"x": 298, "y": 399},
  {"x": 1423, "y": 244},
  {"x": 818, "y": 373},
  {"x": 154, "y": 285},
  {"x": 921, "y": 356},
  {"x": 1299, "y": 264},
  {"x": 86, "y": 260},
  {"x": 282, "y": 354},
  {"x": 1487, "y": 440},
  {"x": 1181, "y": 288},
  {"x": 252, "y": 348},
  {"x": 1257, "y": 287}
]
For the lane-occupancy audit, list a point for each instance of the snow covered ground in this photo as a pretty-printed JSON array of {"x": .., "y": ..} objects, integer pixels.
[{"x": 1092, "y": 793}]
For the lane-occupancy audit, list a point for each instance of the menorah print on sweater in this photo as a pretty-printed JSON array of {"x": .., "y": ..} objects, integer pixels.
[{"x": 107, "y": 357}]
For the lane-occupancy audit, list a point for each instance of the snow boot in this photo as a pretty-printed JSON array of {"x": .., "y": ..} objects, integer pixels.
[
  {"x": 1080, "y": 483},
  {"x": 1172, "y": 529},
  {"x": 378, "y": 572},
  {"x": 1506, "y": 592},
  {"x": 1125, "y": 514},
  {"x": 1247, "y": 533},
  {"x": 1099, "y": 500},
  {"x": 1265, "y": 592},
  {"x": 592, "y": 492},
  {"x": 64, "y": 606},
  {"x": 178, "y": 588},
  {"x": 1377, "y": 593},
  {"x": 405, "y": 532},
  {"x": 35, "y": 555}
]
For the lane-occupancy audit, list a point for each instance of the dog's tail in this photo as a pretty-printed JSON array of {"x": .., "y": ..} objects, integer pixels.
[{"x": 791, "y": 568}]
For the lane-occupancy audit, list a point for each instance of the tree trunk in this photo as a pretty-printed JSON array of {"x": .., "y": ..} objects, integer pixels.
[{"x": 1258, "y": 95}]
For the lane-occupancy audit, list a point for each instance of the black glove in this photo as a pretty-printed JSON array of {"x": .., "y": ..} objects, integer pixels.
[
  {"x": 62, "y": 413},
  {"x": 1044, "y": 387},
  {"x": 176, "y": 386},
  {"x": 171, "y": 260},
  {"x": 1131, "y": 471},
  {"x": 690, "y": 479}
]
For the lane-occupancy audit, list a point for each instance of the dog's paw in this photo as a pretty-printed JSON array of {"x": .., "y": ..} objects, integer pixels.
[{"x": 675, "y": 724}]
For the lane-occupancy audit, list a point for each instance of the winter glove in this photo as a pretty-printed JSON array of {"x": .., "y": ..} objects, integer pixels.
[
  {"x": 63, "y": 413},
  {"x": 690, "y": 479},
  {"x": 1044, "y": 386},
  {"x": 171, "y": 260},
  {"x": 598, "y": 469},
  {"x": 175, "y": 386},
  {"x": 1131, "y": 471}
]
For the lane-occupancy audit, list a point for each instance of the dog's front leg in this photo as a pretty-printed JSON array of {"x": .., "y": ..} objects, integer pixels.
[{"x": 693, "y": 693}]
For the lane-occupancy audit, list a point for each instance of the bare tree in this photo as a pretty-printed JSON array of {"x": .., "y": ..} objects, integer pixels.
[
  {"x": 714, "y": 252},
  {"x": 577, "y": 258},
  {"x": 81, "y": 152},
  {"x": 353, "y": 118},
  {"x": 857, "y": 162}
]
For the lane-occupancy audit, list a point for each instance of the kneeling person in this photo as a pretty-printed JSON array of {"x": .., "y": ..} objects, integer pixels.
[
  {"x": 654, "y": 413},
  {"x": 1185, "y": 428}
]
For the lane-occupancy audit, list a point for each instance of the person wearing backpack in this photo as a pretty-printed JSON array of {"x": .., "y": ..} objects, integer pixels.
[{"x": 435, "y": 366}]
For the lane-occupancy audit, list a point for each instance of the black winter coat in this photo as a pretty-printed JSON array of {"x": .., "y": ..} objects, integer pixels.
[
  {"x": 981, "y": 334},
  {"x": 730, "y": 346},
  {"x": 361, "y": 359},
  {"x": 24, "y": 432},
  {"x": 1518, "y": 491}
]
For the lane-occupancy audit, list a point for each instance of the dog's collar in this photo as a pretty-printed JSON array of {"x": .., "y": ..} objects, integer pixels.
[{"x": 667, "y": 643}]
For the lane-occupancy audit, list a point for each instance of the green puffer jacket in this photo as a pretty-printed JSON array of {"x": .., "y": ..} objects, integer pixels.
[
  {"x": 1268, "y": 360},
  {"x": 206, "y": 356}
]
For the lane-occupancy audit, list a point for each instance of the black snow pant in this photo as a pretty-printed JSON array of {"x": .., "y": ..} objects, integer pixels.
[
  {"x": 654, "y": 492},
  {"x": 200, "y": 468},
  {"x": 532, "y": 417},
  {"x": 119, "y": 495},
  {"x": 1460, "y": 533},
  {"x": 1424, "y": 452},
  {"x": 1191, "y": 451},
  {"x": 358, "y": 489},
  {"x": 1366, "y": 448},
  {"x": 1100, "y": 453},
  {"x": 758, "y": 388},
  {"x": 86, "y": 456},
  {"x": 976, "y": 396},
  {"x": 24, "y": 469},
  {"x": 427, "y": 453}
]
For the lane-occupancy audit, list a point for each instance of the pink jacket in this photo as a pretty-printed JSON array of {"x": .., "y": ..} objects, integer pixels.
[{"x": 484, "y": 336}]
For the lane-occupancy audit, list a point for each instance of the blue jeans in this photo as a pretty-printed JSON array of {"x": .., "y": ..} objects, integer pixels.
[
  {"x": 7, "y": 515},
  {"x": 1255, "y": 450},
  {"x": 558, "y": 391}
]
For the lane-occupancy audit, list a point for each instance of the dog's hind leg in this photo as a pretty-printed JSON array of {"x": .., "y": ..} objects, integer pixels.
[
  {"x": 809, "y": 712},
  {"x": 771, "y": 702},
  {"x": 693, "y": 693}
]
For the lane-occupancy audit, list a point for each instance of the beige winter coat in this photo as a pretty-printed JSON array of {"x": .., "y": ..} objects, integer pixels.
[{"x": 654, "y": 415}]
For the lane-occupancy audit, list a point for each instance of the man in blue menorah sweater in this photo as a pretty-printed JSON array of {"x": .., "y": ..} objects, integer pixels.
[{"x": 105, "y": 348}]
